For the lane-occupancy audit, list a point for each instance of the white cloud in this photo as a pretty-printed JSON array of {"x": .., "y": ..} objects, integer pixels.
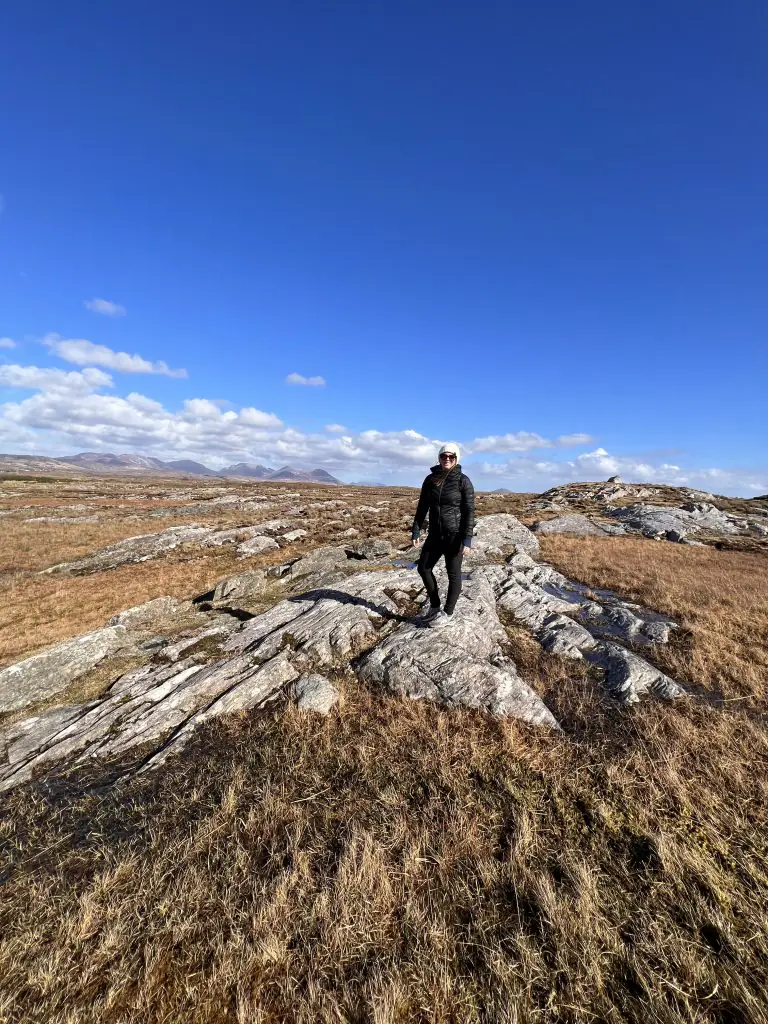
[
  {"x": 49, "y": 380},
  {"x": 7, "y": 343},
  {"x": 308, "y": 382},
  {"x": 86, "y": 353},
  {"x": 105, "y": 307},
  {"x": 522, "y": 441},
  {"x": 69, "y": 410},
  {"x": 574, "y": 440},
  {"x": 336, "y": 428}
]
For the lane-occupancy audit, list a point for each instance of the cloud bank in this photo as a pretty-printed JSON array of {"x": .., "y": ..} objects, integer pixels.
[{"x": 74, "y": 410}]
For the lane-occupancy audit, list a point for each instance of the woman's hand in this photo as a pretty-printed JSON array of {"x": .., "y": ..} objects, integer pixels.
[{"x": 415, "y": 543}]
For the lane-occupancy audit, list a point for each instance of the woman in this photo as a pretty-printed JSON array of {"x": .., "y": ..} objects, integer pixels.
[{"x": 449, "y": 498}]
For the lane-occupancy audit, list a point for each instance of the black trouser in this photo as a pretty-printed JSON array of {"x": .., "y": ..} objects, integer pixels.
[{"x": 434, "y": 549}]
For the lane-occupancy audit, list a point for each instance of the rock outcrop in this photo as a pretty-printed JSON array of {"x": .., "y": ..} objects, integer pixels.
[
  {"x": 676, "y": 523},
  {"x": 502, "y": 534},
  {"x": 574, "y": 523},
  {"x": 48, "y": 673},
  {"x": 575, "y": 622},
  {"x": 358, "y": 623},
  {"x": 134, "y": 549}
]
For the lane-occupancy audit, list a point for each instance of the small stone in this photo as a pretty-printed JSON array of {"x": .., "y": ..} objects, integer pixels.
[
  {"x": 293, "y": 535},
  {"x": 316, "y": 693}
]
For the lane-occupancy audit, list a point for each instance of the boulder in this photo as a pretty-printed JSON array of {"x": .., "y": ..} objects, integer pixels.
[
  {"x": 374, "y": 547},
  {"x": 256, "y": 546},
  {"x": 468, "y": 669},
  {"x": 674, "y": 523},
  {"x": 244, "y": 586},
  {"x": 575, "y": 622},
  {"x": 315, "y": 693},
  {"x": 321, "y": 559},
  {"x": 152, "y": 613},
  {"x": 293, "y": 535},
  {"x": 501, "y": 534},
  {"x": 51, "y": 671}
]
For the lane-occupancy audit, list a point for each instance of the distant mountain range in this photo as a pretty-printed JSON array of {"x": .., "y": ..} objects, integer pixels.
[{"x": 144, "y": 465}]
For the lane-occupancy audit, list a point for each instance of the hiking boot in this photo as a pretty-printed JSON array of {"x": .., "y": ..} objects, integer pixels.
[
  {"x": 427, "y": 615},
  {"x": 440, "y": 621}
]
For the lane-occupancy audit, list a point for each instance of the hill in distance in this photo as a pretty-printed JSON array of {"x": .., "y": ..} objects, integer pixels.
[{"x": 144, "y": 465}]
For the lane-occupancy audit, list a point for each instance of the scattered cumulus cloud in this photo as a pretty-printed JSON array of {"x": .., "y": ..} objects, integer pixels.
[
  {"x": 60, "y": 411},
  {"x": 7, "y": 343},
  {"x": 105, "y": 307},
  {"x": 299, "y": 380},
  {"x": 85, "y": 353},
  {"x": 574, "y": 440},
  {"x": 524, "y": 441}
]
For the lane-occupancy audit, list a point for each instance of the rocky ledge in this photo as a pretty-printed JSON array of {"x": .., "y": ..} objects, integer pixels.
[{"x": 338, "y": 621}]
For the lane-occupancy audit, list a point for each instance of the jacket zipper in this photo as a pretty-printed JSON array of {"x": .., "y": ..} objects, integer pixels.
[{"x": 439, "y": 506}]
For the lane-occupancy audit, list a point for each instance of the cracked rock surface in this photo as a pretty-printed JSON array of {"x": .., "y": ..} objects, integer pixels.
[
  {"x": 51, "y": 671},
  {"x": 675, "y": 523},
  {"x": 575, "y": 523},
  {"x": 572, "y": 621}
]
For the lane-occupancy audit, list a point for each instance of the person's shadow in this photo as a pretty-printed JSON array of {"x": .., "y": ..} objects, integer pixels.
[{"x": 323, "y": 593}]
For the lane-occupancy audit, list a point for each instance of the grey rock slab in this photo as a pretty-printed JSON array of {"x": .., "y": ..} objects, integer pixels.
[
  {"x": 243, "y": 586},
  {"x": 315, "y": 693},
  {"x": 133, "y": 549},
  {"x": 293, "y": 535},
  {"x": 572, "y": 522},
  {"x": 148, "y": 615},
  {"x": 256, "y": 546},
  {"x": 499, "y": 534},
  {"x": 151, "y": 707},
  {"x": 572, "y": 621},
  {"x": 464, "y": 667},
  {"x": 674, "y": 523},
  {"x": 629, "y": 677},
  {"x": 374, "y": 547},
  {"x": 51, "y": 671},
  {"x": 320, "y": 560}
]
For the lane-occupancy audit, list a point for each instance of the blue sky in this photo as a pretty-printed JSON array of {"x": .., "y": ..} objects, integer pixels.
[{"x": 537, "y": 230}]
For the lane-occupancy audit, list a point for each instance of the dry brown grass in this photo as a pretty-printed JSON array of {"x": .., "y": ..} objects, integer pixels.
[{"x": 399, "y": 863}]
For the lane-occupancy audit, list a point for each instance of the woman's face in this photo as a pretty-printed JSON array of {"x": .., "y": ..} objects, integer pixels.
[{"x": 447, "y": 460}]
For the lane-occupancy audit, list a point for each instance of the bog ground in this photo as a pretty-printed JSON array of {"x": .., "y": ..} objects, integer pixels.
[{"x": 556, "y": 814}]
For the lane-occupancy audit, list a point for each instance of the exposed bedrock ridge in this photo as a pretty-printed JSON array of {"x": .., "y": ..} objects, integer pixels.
[{"x": 153, "y": 710}]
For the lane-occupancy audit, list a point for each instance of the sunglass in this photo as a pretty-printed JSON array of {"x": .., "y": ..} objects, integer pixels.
[{"x": 447, "y": 455}]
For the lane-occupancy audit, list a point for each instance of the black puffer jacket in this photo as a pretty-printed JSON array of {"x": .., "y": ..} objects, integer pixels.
[{"x": 449, "y": 498}]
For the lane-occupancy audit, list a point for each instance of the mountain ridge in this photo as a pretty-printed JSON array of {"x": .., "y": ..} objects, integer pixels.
[{"x": 146, "y": 465}]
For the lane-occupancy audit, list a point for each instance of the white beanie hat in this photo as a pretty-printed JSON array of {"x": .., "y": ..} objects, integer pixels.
[{"x": 452, "y": 449}]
